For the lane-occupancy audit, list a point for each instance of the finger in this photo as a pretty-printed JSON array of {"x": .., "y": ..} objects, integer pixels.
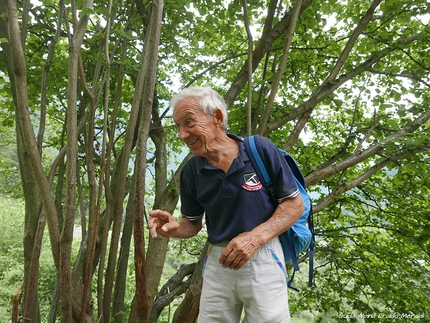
[
  {"x": 162, "y": 215},
  {"x": 227, "y": 257},
  {"x": 224, "y": 255},
  {"x": 231, "y": 262},
  {"x": 153, "y": 226},
  {"x": 167, "y": 230},
  {"x": 239, "y": 264},
  {"x": 170, "y": 226},
  {"x": 157, "y": 219},
  {"x": 236, "y": 263},
  {"x": 237, "y": 253}
]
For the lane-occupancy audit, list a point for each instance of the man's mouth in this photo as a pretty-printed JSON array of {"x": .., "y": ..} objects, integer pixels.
[{"x": 192, "y": 142}]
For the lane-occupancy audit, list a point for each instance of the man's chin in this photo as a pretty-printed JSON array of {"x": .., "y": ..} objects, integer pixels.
[{"x": 195, "y": 151}]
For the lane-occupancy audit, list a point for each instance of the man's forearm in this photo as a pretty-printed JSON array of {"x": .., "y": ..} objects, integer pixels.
[
  {"x": 285, "y": 215},
  {"x": 187, "y": 228}
]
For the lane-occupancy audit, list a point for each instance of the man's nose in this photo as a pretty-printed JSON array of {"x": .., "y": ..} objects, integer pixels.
[{"x": 182, "y": 134}]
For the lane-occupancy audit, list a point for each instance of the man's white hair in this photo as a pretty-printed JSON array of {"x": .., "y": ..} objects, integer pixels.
[{"x": 208, "y": 99}]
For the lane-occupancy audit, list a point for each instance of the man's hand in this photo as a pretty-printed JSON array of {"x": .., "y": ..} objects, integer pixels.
[
  {"x": 162, "y": 223},
  {"x": 239, "y": 250}
]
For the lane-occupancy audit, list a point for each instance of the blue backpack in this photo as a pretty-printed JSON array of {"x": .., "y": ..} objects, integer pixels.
[{"x": 300, "y": 237}]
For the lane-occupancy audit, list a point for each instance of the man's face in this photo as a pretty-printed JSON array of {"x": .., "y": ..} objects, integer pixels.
[{"x": 195, "y": 127}]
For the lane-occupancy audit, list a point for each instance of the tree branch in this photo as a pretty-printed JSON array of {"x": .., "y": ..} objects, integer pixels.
[
  {"x": 174, "y": 287},
  {"x": 45, "y": 74},
  {"x": 412, "y": 77},
  {"x": 342, "y": 188},
  {"x": 328, "y": 88},
  {"x": 364, "y": 21},
  {"x": 213, "y": 66},
  {"x": 281, "y": 67},
  {"x": 264, "y": 45},
  {"x": 249, "y": 97}
]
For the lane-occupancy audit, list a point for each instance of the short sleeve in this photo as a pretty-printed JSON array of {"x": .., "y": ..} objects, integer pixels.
[
  {"x": 279, "y": 171},
  {"x": 190, "y": 208}
]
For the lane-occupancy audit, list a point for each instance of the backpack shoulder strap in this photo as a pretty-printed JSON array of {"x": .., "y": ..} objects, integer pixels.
[{"x": 258, "y": 160}]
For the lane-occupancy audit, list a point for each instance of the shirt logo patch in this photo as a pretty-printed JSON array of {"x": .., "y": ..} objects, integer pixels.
[{"x": 251, "y": 182}]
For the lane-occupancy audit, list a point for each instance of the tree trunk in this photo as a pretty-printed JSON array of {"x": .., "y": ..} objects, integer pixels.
[
  {"x": 188, "y": 311},
  {"x": 157, "y": 248},
  {"x": 149, "y": 66},
  {"x": 33, "y": 203},
  {"x": 118, "y": 308}
]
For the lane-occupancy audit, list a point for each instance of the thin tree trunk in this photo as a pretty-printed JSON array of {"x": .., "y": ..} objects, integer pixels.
[
  {"x": 188, "y": 310},
  {"x": 281, "y": 68},
  {"x": 67, "y": 292},
  {"x": 118, "y": 308},
  {"x": 157, "y": 248},
  {"x": 152, "y": 40},
  {"x": 250, "y": 47},
  {"x": 28, "y": 156},
  {"x": 15, "y": 306},
  {"x": 31, "y": 289},
  {"x": 121, "y": 275},
  {"x": 19, "y": 76}
]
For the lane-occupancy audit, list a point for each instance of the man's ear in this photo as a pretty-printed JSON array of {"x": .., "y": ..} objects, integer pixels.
[{"x": 218, "y": 117}]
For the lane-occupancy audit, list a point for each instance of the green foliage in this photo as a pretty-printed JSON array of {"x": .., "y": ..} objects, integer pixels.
[
  {"x": 11, "y": 253},
  {"x": 373, "y": 241},
  {"x": 372, "y": 248},
  {"x": 10, "y": 181},
  {"x": 12, "y": 261}
]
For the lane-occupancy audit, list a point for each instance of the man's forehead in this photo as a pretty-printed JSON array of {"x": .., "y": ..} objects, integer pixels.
[{"x": 186, "y": 115}]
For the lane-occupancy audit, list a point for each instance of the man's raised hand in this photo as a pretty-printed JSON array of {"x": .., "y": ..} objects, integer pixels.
[{"x": 162, "y": 223}]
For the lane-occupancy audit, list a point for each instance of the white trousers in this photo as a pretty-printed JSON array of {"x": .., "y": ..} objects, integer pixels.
[{"x": 259, "y": 288}]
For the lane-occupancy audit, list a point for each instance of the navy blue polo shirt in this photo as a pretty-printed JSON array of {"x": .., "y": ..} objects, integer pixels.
[{"x": 236, "y": 201}]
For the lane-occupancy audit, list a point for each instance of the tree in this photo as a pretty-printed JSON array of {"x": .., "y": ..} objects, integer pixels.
[{"x": 344, "y": 86}]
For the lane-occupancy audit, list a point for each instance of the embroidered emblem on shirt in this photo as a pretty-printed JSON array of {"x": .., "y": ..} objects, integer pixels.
[{"x": 252, "y": 182}]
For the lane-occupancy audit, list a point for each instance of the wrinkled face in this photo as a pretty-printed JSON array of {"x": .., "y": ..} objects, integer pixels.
[{"x": 195, "y": 127}]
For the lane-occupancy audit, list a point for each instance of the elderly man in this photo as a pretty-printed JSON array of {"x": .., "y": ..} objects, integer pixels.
[{"x": 242, "y": 270}]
